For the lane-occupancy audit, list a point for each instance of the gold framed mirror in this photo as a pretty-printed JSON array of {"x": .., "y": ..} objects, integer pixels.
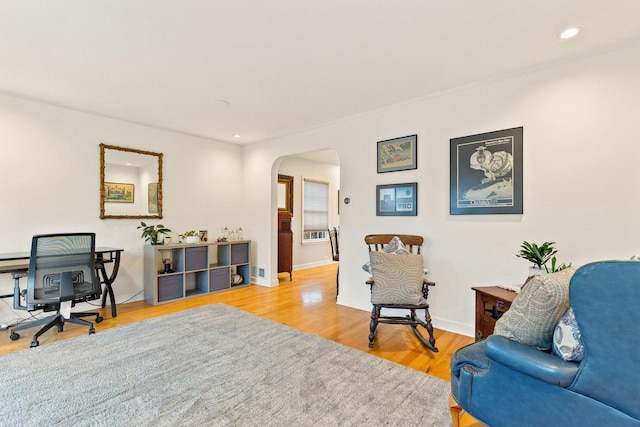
[
  {"x": 285, "y": 194},
  {"x": 130, "y": 183}
]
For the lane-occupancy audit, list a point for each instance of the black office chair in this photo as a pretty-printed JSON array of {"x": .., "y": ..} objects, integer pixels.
[
  {"x": 334, "y": 239},
  {"x": 61, "y": 268}
]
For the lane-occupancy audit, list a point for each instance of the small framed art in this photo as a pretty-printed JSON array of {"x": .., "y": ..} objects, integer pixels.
[
  {"x": 398, "y": 154},
  {"x": 397, "y": 199},
  {"x": 153, "y": 197},
  {"x": 486, "y": 173},
  {"x": 118, "y": 192}
]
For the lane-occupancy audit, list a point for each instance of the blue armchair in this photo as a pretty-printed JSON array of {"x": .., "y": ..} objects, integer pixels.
[{"x": 502, "y": 382}]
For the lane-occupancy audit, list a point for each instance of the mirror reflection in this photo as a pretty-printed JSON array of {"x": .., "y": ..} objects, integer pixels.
[
  {"x": 130, "y": 183},
  {"x": 285, "y": 194}
]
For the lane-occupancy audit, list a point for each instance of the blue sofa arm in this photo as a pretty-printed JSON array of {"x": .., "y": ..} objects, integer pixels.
[{"x": 530, "y": 361}]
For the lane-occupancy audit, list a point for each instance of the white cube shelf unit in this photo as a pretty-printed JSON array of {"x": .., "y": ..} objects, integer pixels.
[{"x": 196, "y": 269}]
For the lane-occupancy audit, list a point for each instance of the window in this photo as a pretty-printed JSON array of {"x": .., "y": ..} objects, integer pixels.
[
  {"x": 315, "y": 217},
  {"x": 314, "y": 236}
]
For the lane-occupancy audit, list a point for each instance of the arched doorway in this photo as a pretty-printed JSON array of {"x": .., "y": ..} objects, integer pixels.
[{"x": 320, "y": 166}]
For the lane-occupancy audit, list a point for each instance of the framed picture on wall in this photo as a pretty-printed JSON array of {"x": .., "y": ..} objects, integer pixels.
[
  {"x": 116, "y": 192},
  {"x": 285, "y": 194},
  {"x": 398, "y": 154},
  {"x": 153, "y": 197},
  {"x": 486, "y": 173},
  {"x": 397, "y": 199}
]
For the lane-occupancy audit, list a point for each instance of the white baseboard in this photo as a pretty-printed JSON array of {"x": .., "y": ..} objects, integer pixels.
[
  {"x": 263, "y": 281},
  {"x": 312, "y": 264}
]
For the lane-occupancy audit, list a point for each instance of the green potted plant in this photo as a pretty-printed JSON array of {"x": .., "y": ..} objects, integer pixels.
[
  {"x": 539, "y": 256},
  {"x": 190, "y": 236},
  {"x": 150, "y": 233}
]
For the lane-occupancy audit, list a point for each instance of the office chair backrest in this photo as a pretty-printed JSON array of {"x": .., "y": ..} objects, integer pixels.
[{"x": 62, "y": 268}]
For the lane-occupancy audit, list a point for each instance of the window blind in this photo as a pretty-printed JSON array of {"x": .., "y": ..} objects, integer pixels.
[{"x": 316, "y": 206}]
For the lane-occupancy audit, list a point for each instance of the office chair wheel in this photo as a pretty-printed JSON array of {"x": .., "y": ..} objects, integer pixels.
[
  {"x": 92, "y": 331},
  {"x": 34, "y": 344},
  {"x": 14, "y": 336},
  {"x": 99, "y": 319}
]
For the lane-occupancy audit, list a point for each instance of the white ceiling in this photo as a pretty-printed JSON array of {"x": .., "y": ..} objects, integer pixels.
[{"x": 285, "y": 65}]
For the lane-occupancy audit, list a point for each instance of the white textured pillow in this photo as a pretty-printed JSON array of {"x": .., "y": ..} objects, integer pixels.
[
  {"x": 397, "y": 279},
  {"x": 567, "y": 342},
  {"x": 395, "y": 246}
]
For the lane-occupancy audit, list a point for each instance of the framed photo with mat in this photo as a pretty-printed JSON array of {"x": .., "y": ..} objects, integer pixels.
[{"x": 397, "y": 199}]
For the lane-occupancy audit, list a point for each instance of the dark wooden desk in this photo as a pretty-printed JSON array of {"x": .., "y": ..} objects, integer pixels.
[
  {"x": 16, "y": 262},
  {"x": 491, "y": 303}
]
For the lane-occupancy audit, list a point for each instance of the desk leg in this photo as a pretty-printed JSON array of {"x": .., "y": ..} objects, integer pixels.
[{"x": 108, "y": 290}]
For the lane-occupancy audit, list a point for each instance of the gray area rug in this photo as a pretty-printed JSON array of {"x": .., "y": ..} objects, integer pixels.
[{"x": 216, "y": 366}]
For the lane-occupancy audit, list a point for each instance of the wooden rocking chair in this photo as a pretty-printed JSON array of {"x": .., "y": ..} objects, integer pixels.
[{"x": 381, "y": 243}]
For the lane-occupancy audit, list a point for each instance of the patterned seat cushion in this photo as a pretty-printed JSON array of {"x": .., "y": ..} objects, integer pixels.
[
  {"x": 397, "y": 279},
  {"x": 537, "y": 309}
]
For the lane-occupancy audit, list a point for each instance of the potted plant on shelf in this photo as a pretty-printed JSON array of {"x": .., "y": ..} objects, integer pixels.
[
  {"x": 150, "y": 233},
  {"x": 190, "y": 236},
  {"x": 539, "y": 255}
]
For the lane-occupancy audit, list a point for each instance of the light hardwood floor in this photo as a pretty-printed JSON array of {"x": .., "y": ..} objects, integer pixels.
[{"x": 307, "y": 303}]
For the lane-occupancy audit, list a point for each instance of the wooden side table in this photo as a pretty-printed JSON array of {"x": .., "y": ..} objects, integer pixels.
[{"x": 491, "y": 303}]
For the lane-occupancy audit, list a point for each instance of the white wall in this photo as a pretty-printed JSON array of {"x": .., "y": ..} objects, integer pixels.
[
  {"x": 580, "y": 178},
  {"x": 311, "y": 254},
  {"x": 49, "y": 172}
]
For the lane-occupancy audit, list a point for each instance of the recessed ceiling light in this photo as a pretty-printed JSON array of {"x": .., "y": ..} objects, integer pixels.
[
  {"x": 236, "y": 135},
  {"x": 569, "y": 32}
]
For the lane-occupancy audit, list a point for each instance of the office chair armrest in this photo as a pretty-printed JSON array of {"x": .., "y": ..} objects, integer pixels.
[{"x": 17, "y": 293}]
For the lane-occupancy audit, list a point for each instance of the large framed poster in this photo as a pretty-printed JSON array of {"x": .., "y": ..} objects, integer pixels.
[{"x": 486, "y": 173}]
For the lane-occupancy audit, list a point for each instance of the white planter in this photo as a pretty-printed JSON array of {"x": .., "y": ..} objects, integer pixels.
[
  {"x": 535, "y": 271},
  {"x": 191, "y": 239}
]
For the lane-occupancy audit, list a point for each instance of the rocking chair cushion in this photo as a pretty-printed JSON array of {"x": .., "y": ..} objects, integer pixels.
[{"x": 397, "y": 279}]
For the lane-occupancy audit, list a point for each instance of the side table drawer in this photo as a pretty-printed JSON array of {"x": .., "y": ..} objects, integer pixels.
[{"x": 493, "y": 307}]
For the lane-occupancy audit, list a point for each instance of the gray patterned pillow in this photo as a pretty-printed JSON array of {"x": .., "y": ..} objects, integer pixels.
[
  {"x": 397, "y": 279},
  {"x": 537, "y": 309},
  {"x": 395, "y": 246}
]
